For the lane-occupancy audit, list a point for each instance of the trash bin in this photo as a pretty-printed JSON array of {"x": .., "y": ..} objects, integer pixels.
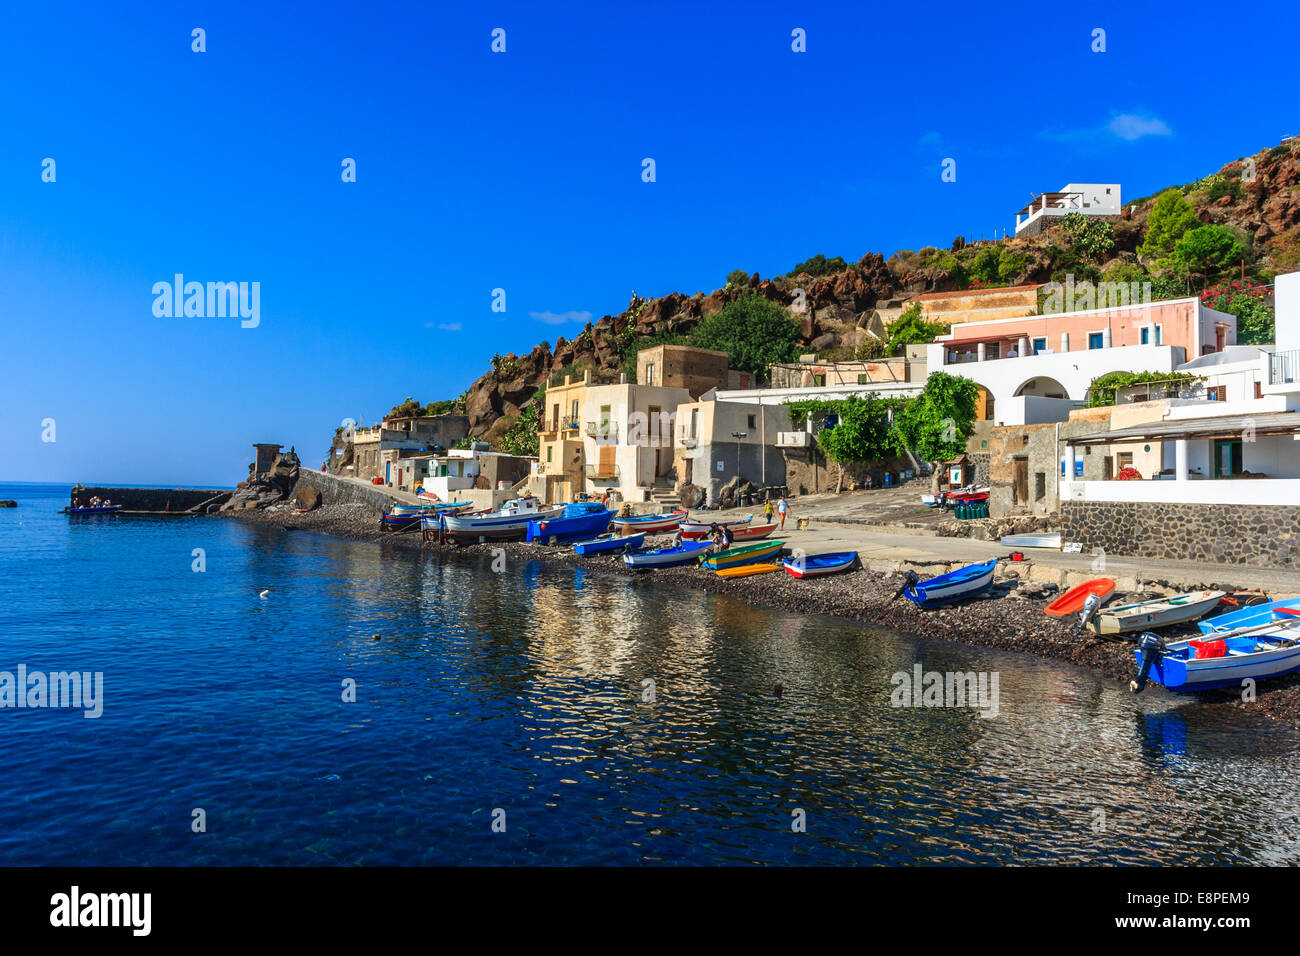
[{"x": 889, "y": 480}]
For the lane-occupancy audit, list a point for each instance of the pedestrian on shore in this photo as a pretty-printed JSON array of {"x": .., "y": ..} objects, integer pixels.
[
  {"x": 782, "y": 509},
  {"x": 767, "y": 511}
]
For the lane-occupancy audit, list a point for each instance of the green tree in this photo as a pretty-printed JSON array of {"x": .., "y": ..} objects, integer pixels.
[
  {"x": 861, "y": 434},
  {"x": 986, "y": 266},
  {"x": 819, "y": 265},
  {"x": 910, "y": 329},
  {"x": 1170, "y": 217},
  {"x": 737, "y": 277},
  {"x": 1208, "y": 250},
  {"x": 1092, "y": 238},
  {"x": 755, "y": 332},
  {"x": 936, "y": 424}
]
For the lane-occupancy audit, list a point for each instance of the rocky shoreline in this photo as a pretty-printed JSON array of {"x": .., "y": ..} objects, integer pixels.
[{"x": 1011, "y": 618}]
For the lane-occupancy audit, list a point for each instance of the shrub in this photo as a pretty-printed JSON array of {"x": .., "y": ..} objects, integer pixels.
[
  {"x": 910, "y": 329},
  {"x": 755, "y": 332},
  {"x": 1208, "y": 250},
  {"x": 819, "y": 265},
  {"x": 1170, "y": 217},
  {"x": 737, "y": 277}
]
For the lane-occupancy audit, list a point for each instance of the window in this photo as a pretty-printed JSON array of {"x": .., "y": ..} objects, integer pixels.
[
  {"x": 574, "y": 412},
  {"x": 1095, "y": 340},
  {"x": 1259, "y": 392},
  {"x": 1123, "y": 460},
  {"x": 1159, "y": 334},
  {"x": 550, "y": 449},
  {"x": 819, "y": 381},
  {"x": 1039, "y": 345},
  {"x": 993, "y": 350},
  {"x": 650, "y": 373},
  {"x": 1218, "y": 393},
  {"x": 751, "y": 421},
  {"x": 1040, "y": 485},
  {"x": 864, "y": 379},
  {"x": 1146, "y": 335}
]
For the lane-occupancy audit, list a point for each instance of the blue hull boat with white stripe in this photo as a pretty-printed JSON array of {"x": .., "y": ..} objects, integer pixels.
[
  {"x": 954, "y": 586},
  {"x": 686, "y": 553},
  {"x": 1255, "y": 653},
  {"x": 1250, "y": 616},
  {"x": 608, "y": 543},
  {"x": 579, "y": 521}
]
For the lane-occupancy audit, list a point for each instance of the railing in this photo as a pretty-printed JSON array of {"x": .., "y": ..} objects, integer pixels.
[
  {"x": 601, "y": 472},
  {"x": 603, "y": 431},
  {"x": 569, "y": 422},
  {"x": 1284, "y": 367},
  {"x": 792, "y": 439}
]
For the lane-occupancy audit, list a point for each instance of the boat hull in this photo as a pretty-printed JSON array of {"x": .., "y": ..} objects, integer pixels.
[
  {"x": 650, "y": 524},
  {"x": 819, "y": 565},
  {"x": 1247, "y": 616},
  {"x": 1153, "y": 615},
  {"x": 1033, "y": 541},
  {"x": 494, "y": 526},
  {"x": 747, "y": 570},
  {"x": 610, "y": 543},
  {"x": 1184, "y": 676},
  {"x": 1071, "y": 602},
  {"x": 687, "y": 553},
  {"x": 574, "y": 528},
  {"x": 735, "y": 557},
  {"x": 967, "y": 582}
]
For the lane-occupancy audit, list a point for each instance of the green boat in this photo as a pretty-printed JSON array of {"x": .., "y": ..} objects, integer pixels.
[{"x": 743, "y": 554}]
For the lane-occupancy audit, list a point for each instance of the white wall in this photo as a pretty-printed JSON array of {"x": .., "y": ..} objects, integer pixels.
[{"x": 1286, "y": 290}]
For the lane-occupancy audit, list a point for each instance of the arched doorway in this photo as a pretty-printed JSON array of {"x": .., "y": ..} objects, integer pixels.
[{"x": 1043, "y": 387}]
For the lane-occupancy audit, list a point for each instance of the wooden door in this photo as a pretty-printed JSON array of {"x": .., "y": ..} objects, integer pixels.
[{"x": 1020, "y": 480}]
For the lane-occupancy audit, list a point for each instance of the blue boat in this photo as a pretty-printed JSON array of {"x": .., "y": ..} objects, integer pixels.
[
  {"x": 1218, "y": 660},
  {"x": 579, "y": 521},
  {"x": 948, "y": 588},
  {"x": 1249, "y": 616},
  {"x": 686, "y": 553},
  {"x": 101, "y": 510},
  {"x": 607, "y": 543},
  {"x": 818, "y": 565}
]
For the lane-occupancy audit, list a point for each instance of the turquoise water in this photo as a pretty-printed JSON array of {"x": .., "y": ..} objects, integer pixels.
[{"x": 521, "y": 692}]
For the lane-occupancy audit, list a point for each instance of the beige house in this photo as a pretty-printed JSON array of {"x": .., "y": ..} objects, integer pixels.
[
  {"x": 717, "y": 440},
  {"x": 627, "y": 439}
]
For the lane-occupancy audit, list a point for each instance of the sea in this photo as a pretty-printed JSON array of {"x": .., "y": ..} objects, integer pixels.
[{"x": 271, "y": 697}]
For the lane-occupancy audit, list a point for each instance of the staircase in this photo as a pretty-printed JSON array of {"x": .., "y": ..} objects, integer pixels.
[{"x": 662, "y": 494}]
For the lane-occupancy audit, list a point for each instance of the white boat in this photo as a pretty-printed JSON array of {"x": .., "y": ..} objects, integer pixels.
[
  {"x": 1219, "y": 660},
  {"x": 1045, "y": 540},
  {"x": 1161, "y": 612},
  {"x": 510, "y": 522}
]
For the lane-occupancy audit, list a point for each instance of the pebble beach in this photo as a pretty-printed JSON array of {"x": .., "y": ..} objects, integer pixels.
[{"x": 1009, "y": 618}]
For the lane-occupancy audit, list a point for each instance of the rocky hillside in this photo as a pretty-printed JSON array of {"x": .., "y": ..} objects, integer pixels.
[{"x": 1259, "y": 195}]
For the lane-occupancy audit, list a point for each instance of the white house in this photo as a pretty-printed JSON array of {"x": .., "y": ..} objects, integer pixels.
[{"x": 1088, "y": 199}]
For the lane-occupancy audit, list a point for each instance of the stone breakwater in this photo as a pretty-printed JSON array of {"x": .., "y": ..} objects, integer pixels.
[{"x": 1011, "y": 618}]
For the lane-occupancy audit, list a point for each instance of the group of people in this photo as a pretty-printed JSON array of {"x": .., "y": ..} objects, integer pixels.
[
  {"x": 782, "y": 509},
  {"x": 95, "y": 502}
]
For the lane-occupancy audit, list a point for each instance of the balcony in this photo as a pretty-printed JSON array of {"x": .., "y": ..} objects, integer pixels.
[
  {"x": 570, "y": 423},
  {"x": 1284, "y": 367},
  {"x": 792, "y": 439},
  {"x": 606, "y": 432},
  {"x": 602, "y": 472}
]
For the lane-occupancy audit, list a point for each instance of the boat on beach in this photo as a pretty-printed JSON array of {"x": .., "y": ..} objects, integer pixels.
[
  {"x": 688, "y": 552},
  {"x": 579, "y": 521},
  {"x": 1071, "y": 602},
  {"x": 741, "y": 532},
  {"x": 650, "y": 524},
  {"x": 744, "y": 554},
  {"x": 819, "y": 565},
  {"x": 1251, "y": 615},
  {"x": 509, "y": 523},
  {"x": 699, "y": 529},
  {"x": 608, "y": 543},
  {"x": 1154, "y": 614},
  {"x": 747, "y": 570},
  {"x": 1219, "y": 660},
  {"x": 967, "y": 582}
]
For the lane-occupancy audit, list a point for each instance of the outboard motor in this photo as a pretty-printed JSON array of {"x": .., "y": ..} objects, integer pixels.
[
  {"x": 1090, "y": 606},
  {"x": 909, "y": 580},
  {"x": 1152, "y": 650}
]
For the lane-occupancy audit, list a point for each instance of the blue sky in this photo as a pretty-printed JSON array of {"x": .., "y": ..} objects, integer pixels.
[{"x": 520, "y": 171}]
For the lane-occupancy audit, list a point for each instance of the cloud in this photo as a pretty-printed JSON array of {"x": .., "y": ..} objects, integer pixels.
[
  {"x": 559, "y": 318},
  {"x": 1129, "y": 127},
  {"x": 445, "y": 326}
]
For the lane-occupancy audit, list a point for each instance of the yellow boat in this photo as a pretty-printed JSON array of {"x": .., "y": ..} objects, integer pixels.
[{"x": 745, "y": 570}]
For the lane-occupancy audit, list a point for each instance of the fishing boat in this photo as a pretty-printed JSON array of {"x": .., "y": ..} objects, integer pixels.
[
  {"x": 967, "y": 582},
  {"x": 742, "y": 532},
  {"x": 438, "y": 508},
  {"x": 650, "y": 524},
  {"x": 392, "y": 521},
  {"x": 1150, "y": 615},
  {"x": 1045, "y": 540},
  {"x": 744, "y": 554},
  {"x": 579, "y": 521},
  {"x": 607, "y": 543},
  {"x": 1253, "y": 653},
  {"x": 700, "y": 529},
  {"x": 818, "y": 565},
  {"x": 99, "y": 510},
  {"x": 509, "y": 523},
  {"x": 747, "y": 570},
  {"x": 688, "y": 552},
  {"x": 1071, "y": 602},
  {"x": 1249, "y": 615}
]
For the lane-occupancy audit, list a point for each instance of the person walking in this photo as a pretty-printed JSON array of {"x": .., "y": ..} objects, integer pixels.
[
  {"x": 782, "y": 509},
  {"x": 767, "y": 511}
]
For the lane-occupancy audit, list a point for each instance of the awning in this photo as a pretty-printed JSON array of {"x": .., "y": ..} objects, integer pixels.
[{"x": 1223, "y": 426}]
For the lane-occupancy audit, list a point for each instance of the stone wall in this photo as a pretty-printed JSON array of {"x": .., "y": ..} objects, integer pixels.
[
  {"x": 809, "y": 472},
  {"x": 149, "y": 499},
  {"x": 338, "y": 491},
  {"x": 1256, "y": 535}
]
